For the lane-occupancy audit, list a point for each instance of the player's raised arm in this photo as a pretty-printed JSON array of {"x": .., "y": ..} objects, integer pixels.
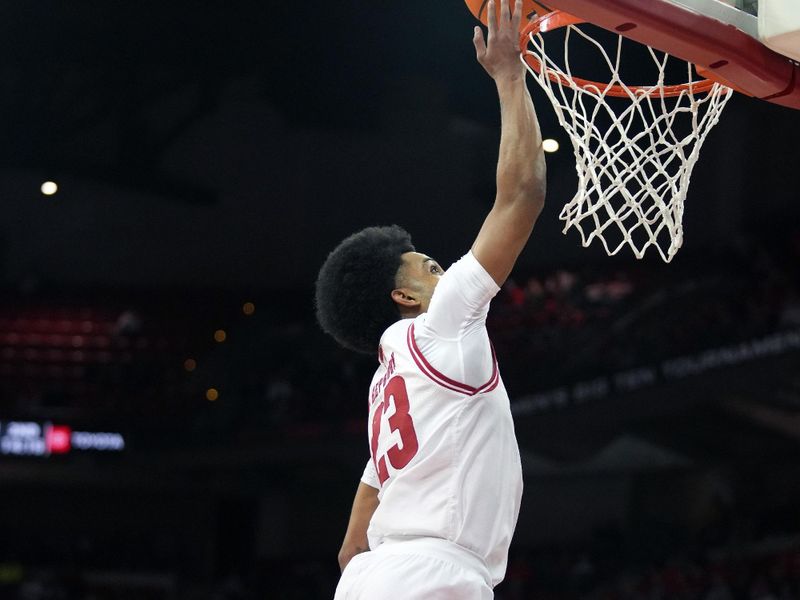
[{"x": 520, "y": 166}]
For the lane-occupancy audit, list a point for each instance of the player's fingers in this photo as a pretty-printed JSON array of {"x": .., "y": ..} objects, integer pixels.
[
  {"x": 480, "y": 44},
  {"x": 505, "y": 12},
  {"x": 516, "y": 19},
  {"x": 491, "y": 18}
]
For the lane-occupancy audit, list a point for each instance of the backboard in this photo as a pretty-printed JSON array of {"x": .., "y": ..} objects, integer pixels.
[{"x": 731, "y": 41}]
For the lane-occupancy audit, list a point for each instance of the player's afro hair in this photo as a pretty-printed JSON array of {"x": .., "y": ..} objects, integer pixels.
[{"x": 354, "y": 285}]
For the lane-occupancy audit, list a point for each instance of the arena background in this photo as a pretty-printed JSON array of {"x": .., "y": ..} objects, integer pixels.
[{"x": 208, "y": 155}]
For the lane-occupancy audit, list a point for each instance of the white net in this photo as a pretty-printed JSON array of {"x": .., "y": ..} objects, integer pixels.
[{"x": 634, "y": 155}]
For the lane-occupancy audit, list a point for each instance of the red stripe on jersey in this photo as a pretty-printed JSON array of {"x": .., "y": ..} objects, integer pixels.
[
  {"x": 442, "y": 379},
  {"x": 428, "y": 369},
  {"x": 494, "y": 379}
]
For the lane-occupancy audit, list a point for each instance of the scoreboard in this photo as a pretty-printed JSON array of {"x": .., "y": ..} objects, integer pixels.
[{"x": 32, "y": 438}]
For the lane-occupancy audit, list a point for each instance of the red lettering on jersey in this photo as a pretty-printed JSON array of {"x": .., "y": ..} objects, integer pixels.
[{"x": 376, "y": 389}]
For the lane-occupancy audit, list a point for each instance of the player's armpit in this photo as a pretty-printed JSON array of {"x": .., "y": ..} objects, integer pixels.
[{"x": 355, "y": 539}]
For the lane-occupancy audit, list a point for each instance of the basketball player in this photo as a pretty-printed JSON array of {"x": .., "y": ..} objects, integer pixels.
[{"x": 439, "y": 498}]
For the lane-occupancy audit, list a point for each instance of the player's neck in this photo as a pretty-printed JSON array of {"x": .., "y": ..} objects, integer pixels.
[{"x": 410, "y": 312}]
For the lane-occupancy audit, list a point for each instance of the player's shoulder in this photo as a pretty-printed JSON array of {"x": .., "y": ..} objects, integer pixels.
[
  {"x": 470, "y": 266},
  {"x": 397, "y": 328},
  {"x": 467, "y": 275}
]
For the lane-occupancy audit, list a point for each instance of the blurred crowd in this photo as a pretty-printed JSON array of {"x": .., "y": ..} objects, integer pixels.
[
  {"x": 768, "y": 570},
  {"x": 276, "y": 368},
  {"x": 752, "y": 574},
  {"x": 578, "y": 323},
  {"x": 569, "y": 322},
  {"x": 566, "y": 324}
]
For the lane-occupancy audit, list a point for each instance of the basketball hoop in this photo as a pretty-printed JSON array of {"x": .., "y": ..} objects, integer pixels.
[{"x": 634, "y": 156}]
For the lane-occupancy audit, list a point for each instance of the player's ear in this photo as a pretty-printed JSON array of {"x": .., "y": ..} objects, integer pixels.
[{"x": 403, "y": 297}]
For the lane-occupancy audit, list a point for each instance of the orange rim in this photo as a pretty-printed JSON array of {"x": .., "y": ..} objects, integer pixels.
[{"x": 557, "y": 19}]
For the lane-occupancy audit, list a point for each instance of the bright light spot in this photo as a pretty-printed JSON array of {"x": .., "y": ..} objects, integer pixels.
[
  {"x": 190, "y": 364},
  {"x": 49, "y": 188},
  {"x": 248, "y": 308},
  {"x": 550, "y": 145},
  {"x": 212, "y": 394},
  {"x": 220, "y": 335}
]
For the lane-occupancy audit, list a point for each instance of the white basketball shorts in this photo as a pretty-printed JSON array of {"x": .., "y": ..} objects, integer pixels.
[{"x": 415, "y": 569}]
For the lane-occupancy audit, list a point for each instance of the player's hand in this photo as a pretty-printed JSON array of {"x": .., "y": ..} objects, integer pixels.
[{"x": 499, "y": 54}]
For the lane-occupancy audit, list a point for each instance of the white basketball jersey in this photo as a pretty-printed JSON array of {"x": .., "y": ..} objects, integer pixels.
[{"x": 443, "y": 451}]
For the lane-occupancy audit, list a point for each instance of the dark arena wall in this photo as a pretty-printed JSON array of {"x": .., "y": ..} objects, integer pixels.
[{"x": 175, "y": 425}]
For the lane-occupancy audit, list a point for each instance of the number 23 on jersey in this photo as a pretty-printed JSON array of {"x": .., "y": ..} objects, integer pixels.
[{"x": 398, "y": 455}]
